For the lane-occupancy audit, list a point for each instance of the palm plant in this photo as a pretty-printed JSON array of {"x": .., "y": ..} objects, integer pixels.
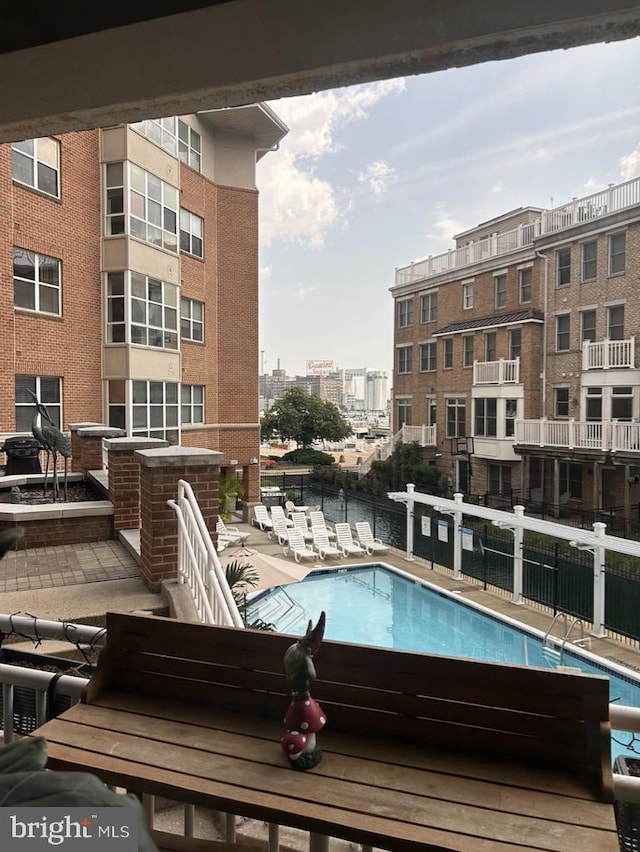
[{"x": 241, "y": 577}]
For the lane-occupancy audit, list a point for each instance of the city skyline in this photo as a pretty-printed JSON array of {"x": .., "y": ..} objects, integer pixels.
[{"x": 372, "y": 177}]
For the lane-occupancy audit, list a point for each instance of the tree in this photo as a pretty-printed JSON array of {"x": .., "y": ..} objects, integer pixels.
[{"x": 303, "y": 418}]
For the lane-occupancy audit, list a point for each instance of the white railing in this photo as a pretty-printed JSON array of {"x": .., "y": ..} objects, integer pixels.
[
  {"x": 423, "y": 435},
  {"x": 198, "y": 563},
  {"x": 608, "y": 354},
  {"x": 573, "y": 434},
  {"x": 615, "y": 197},
  {"x": 625, "y": 436},
  {"x": 502, "y": 372}
]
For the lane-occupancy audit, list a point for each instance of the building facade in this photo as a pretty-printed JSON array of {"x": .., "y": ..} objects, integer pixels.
[
  {"x": 516, "y": 351},
  {"x": 133, "y": 252}
]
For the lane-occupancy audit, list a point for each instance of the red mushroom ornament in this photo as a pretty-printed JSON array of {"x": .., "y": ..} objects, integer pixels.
[{"x": 304, "y": 716}]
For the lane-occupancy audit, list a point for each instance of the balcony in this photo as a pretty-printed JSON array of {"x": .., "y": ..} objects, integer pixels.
[
  {"x": 502, "y": 372},
  {"x": 603, "y": 435},
  {"x": 608, "y": 354}
]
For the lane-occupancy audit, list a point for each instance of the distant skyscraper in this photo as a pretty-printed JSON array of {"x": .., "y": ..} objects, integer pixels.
[{"x": 376, "y": 391}]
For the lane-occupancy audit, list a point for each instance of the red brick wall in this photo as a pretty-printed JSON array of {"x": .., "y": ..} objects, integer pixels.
[{"x": 60, "y": 531}]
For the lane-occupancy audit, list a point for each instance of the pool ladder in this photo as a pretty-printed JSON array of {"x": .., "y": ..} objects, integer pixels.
[{"x": 553, "y": 646}]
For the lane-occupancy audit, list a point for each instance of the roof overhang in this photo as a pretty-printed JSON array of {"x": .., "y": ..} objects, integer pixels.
[{"x": 255, "y": 121}]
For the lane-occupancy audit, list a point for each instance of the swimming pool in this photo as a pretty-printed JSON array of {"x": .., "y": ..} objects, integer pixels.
[{"x": 379, "y": 605}]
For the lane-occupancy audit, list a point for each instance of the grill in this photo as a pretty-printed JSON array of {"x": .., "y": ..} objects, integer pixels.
[{"x": 22, "y": 456}]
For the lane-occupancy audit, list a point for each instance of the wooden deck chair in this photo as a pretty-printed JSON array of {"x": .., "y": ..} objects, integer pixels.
[
  {"x": 366, "y": 539},
  {"x": 297, "y": 546},
  {"x": 346, "y": 543}
]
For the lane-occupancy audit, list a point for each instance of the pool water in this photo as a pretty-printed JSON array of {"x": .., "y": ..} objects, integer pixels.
[{"x": 375, "y": 605}]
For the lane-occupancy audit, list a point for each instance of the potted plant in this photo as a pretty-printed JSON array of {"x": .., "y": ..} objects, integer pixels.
[{"x": 229, "y": 489}]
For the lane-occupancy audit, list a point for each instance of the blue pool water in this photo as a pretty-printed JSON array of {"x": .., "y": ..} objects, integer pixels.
[{"x": 374, "y": 605}]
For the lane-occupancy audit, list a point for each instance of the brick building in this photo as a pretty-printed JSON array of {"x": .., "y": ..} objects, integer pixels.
[
  {"x": 133, "y": 252},
  {"x": 515, "y": 360}
]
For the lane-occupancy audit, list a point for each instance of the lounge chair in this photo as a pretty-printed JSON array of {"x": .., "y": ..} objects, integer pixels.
[
  {"x": 322, "y": 545},
  {"x": 300, "y": 523},
  {"x": 346, "y": 544},
  {"x": 230, "y": 535},
  {"x": 277, "y": 514},
  {"x": 317, "y": 520},
  {"x": 261, "y": 518},
  {"x": 289, "y": 507},
  {"x": 366, "y": 539},
  {"x": 298, "y": 547},
  {"x": 280, "y": 531}
]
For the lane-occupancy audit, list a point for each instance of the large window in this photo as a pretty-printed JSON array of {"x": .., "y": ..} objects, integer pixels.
[
  {"x": 621, "y": 403},
  {"x": 486, "y": 418},
  {"x": 571, "y": 479},
  {"x": 151, "y": 211},
  {"x": 192, "y": 403},
  {"x": 155, "y": 410},
  {"x": 36, "y": 163},
  {"x": 427, "y": 357},
  {"x": 563, "y": 267},
  {"x": 189, "y": 145},
  {"x": 447, "y": 353},
  {"x": 524, "y": 284},
  {"x": 515, "y": 343},
  {"x": 404, "y": 359},
  {"x": 563, "y": 328},
  {"x": 593, "y": 407},
  {"x": 160, "y": 131},
  {"x": 191, "y": 320},
  {"x": 500, "y": 290},
  {"x": 490, "y": 344},
  {"x": 36, "y": 282},
  {"x": 190, "y": 233},
  {"x": 589, "y": 257},
  {"x": 456, "y": 417},
  {"x": 405, "y": 312},
  {"x": 428, "y": 307},
  {"x": 48, "y": 391},
  {"x": 561, "y": 402},
  {"x": 499, "y": 479},
  {"x": 615, "y": 322},
  {"x": 467, "y": 350},
  {"x": 617, "y": 253},
  {"x": 404, "y": 412},
  {"x": 510, "y": 414},
  {"x": 587, "y": 326},
  {"x": 141, "y": 310}
]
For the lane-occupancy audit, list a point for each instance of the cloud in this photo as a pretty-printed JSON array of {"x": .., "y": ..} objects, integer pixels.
[
  {"x": 297, "y": 206},
  {"x": 377, "y": 175},
  {"x": 630, "y": 164},
  {"x": 302, "y": 292},
  {"x": 497, "y": 187},
  {"x": 444, "y": 228}
]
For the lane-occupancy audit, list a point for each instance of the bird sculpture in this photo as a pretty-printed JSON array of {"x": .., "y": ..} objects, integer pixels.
[{"x": 54, "y": 442}]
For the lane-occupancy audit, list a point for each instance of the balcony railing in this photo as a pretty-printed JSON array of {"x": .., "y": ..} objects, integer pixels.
[
  {"x": 615, "y": 197},
  {"x": 606, "y": 436},
  {"x": 608, "y": 354},
  {"x": 423, "y": 435},
  {"x": 502, "y": 372}
]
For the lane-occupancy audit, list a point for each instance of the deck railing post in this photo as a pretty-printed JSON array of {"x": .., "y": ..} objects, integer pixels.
[
  {"x": 518, "y": 511},
  {"x": 410, "y": 516},
  {"x": 457, "y": 538},
  {"x": 598, "y": 582}
]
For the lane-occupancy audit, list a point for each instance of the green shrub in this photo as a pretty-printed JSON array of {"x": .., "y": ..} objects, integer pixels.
[{"x": 307, "y": 456}]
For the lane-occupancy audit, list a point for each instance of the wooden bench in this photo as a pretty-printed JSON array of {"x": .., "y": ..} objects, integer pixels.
[{"x": 420, "y": 752}]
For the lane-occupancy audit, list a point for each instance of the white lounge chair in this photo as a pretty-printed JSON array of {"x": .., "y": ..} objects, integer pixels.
[
  {"x": 298, "y": 547},
  {"x": 289, "y": 507},
  {"x": 317, "y": 520},
  {"x": 277, "y": 514},
  {"x": 300, "y": 523},
  {"x": 230, "y": 535},
  {"x": 322, "y": 545},
  {"x": 261, "y": 518},
  {"x": 346, "y": 544},
  {"x": 280, "y": 531},
  {"x": 367, "y": 540}
]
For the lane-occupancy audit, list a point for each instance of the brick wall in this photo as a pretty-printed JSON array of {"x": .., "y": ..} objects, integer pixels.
[{"x": 59, "y": 531}]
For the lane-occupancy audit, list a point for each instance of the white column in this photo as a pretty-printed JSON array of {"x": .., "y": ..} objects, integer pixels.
[
  {"x": 410, "y": 509},
  {"x": 518, "y": 511},
  {"x": 457, "y": 538},
  {"x": 598, "y": 583}
]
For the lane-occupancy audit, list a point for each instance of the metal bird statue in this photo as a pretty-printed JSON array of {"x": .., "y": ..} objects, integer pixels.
[{"x": 54, "y": 441}]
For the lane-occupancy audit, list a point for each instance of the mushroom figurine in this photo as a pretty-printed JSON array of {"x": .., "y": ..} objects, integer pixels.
[{"x": 304, "y": 716}]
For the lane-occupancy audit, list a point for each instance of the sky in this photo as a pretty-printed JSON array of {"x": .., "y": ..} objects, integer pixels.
[{"x": 374, "y": 176}]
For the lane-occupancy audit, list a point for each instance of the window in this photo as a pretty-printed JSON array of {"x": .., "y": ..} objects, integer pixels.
[
  {"x": 571, "y": 479},
  {"x": 192, "y": 403},
  {"x": 617, "y": 253},
  {"x": 467, "y": 295},
  {"x": 431, "y": 411},
  {"x": 500, "y": 290},
  {"x": 36, "y": 282},
  {"x": 456, "y": 426},
  {"x": 404, "y": 359},
  {"x": 189, "y": 145},
  {"x": 155, "y": 410},
  {"x": 515, "y": 343},
  {"x": 524, "y": 284},
  {"x": 48, "y": 391},
  {"x": 510, "y": 414},
  {"x": 152, "y": 213},
  {"x": 190, "y": 233},
  {"x": 467, "y": 350},
  {"x": 191, "y": 320},
  {"x": 405, "y": 313},
  {"x": 160, "y": 131},
  {"x": 563, "y": 267},
  {"x": 36, "y": 163},
  {"x": 447, "y": 353},
  {"x": 589, "y": 252},
  {"x": 490, "y": 346},
  {"x": 561, "y": 402},
  {"x": 486, "y": 418},
  {"x": 428, "y": 357},
  {"x": 587, "y": 326},
  {"x": 621, "y": 403},
  {"x": 141, "y": 310},
  {"x": 593, "y": 407},
  {"x": 499, "y": 479},
  {"x": 428, "y": 307},
  {"x": 404, "y": 412},
  {"x": 562, "y": 332},
  {"x": 615, "y": 322}
]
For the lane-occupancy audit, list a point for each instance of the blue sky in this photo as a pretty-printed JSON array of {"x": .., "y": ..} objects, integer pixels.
[{"x": 372, "y": 177}]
